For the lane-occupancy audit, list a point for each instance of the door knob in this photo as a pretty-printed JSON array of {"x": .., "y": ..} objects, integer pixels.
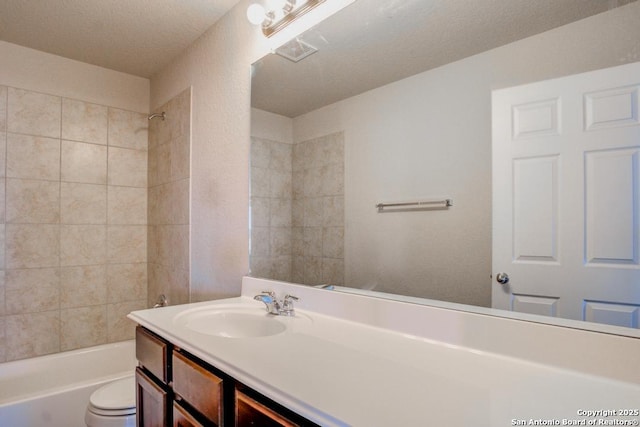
[{"x": 502, "y": 278}]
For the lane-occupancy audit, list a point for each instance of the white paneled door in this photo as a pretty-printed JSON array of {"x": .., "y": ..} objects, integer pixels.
[{"x": 566, "y": 197}]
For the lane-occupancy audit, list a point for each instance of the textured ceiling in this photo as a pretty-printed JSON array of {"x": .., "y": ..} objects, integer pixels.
[
  {"x": 133, "y": 36},
  {"x": 374, "y": 42},
  {"x": 139, "y": 37}
]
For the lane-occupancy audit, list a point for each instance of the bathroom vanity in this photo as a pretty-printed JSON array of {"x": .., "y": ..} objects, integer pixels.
[
  {"x": 177, "y": 388},
  {"x": 346, "y": 359}
]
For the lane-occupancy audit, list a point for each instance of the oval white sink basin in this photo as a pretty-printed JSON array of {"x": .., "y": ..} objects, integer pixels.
[{"x": 234, "y": 322}]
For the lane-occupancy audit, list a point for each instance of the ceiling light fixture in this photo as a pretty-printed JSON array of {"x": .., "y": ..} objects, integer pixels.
[{"x": 278, "y": 13}]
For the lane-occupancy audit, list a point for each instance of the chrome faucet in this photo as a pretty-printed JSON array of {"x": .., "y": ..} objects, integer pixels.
[
  {"x": 280, "y": 308},
  {"x": 269, "y": 299}
]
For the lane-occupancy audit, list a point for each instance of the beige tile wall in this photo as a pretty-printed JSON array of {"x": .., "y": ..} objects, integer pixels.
[
  {"x": 297, "y": 210},
  {"x": 318, "y": 211},
  {"x": 271, "y": 198},
  {"x": 168, "y": 210},
  {"x": 73, "y": 223}
]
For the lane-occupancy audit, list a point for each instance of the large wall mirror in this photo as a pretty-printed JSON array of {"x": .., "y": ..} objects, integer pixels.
[{"x": 390, "y": 102}]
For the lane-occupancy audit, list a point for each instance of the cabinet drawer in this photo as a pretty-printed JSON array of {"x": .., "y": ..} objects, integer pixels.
[
  {"x": 152, "y": 353},
  {"x": 198, "y": 387},
  {"x": 249, "y": 412},
  {"x": 182, "y": 417}
]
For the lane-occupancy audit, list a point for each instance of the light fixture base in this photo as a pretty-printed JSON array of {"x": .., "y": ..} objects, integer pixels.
[{"x": 294, "y": 14}]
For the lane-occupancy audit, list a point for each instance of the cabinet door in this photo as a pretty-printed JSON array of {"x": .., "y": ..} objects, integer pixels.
[
  {"x": 151, "y": 404},
  {"x": 182, "y": 418},
  {"x": 252, "y": 413}
]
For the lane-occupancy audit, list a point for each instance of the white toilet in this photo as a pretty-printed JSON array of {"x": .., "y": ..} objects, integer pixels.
[{"x": 113, "y": 405}]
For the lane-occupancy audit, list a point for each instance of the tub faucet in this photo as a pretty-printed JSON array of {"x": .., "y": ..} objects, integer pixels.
[
  {"x": 162, "y": 301},
  {"x": 281, "y": 308}
]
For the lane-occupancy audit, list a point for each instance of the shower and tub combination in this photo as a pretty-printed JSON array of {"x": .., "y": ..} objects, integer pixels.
[
  {"x": 55, "y": 390},
  {"x": 90, "y": 386},
  {"x": 93, "y": 290}
]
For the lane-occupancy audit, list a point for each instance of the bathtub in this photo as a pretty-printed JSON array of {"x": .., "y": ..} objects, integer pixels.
[{"x": 53, "y": 390}]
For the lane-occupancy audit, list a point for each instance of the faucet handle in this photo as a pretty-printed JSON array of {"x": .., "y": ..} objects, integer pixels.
[
  {"x": 270, "y": 293},
  {"x": 287, "y": 305}
]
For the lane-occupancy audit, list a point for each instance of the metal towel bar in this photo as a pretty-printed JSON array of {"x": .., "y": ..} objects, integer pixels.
[{"x": 445, "y": 203}]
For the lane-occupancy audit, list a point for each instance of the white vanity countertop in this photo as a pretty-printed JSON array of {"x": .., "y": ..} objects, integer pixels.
[{"x": 340, "y": 372}]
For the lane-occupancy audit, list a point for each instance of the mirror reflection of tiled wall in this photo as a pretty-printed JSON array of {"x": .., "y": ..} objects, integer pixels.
[
  {"x": 271, "y": 197},
  {"x": 297, "y": 210},
  {"x": 73, "y": 222}
]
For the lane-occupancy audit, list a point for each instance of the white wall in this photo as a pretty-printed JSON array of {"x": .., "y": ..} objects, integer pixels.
[
  {"x": 43, "y": 72},
  {"x": 273, "y": 127},
  {"x": 430, "y": 136}
]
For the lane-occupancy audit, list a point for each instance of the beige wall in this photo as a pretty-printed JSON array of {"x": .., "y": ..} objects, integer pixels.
[
  {"x": 169, "y": 194},
  {"x": 317, "y": 238},
  {"x": 271, "y": 215},
  {"x": 55, "y": 75},
  {"x": 73, "y": 144},
  {"x": 218, "y": 67},
  {"x": 73, "y": 220},
  {"x": 297, "y": 209}
]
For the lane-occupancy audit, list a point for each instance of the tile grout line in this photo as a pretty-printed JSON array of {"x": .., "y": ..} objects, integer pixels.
[
  {"x": 4, "y": 240},
  {"x": 60, "y": 337}
]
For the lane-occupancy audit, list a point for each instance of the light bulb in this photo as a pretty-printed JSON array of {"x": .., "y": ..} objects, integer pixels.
[{"x": 256, "y": 14}]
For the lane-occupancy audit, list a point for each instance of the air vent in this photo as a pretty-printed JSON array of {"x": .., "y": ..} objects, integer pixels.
[{"x": 296, "y": 50}]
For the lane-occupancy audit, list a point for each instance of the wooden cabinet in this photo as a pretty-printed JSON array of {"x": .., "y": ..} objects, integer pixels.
[
  {"x": 177, "y": 389},
  {"x": 250, "y": 412},
  {"x": 151, "y": 402},
  {"x": 152, "y": 375},
  {"x": 153, "y": 352},
  {"x": 182, "y": 417},
  {"x": 198, "y": 386}
]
